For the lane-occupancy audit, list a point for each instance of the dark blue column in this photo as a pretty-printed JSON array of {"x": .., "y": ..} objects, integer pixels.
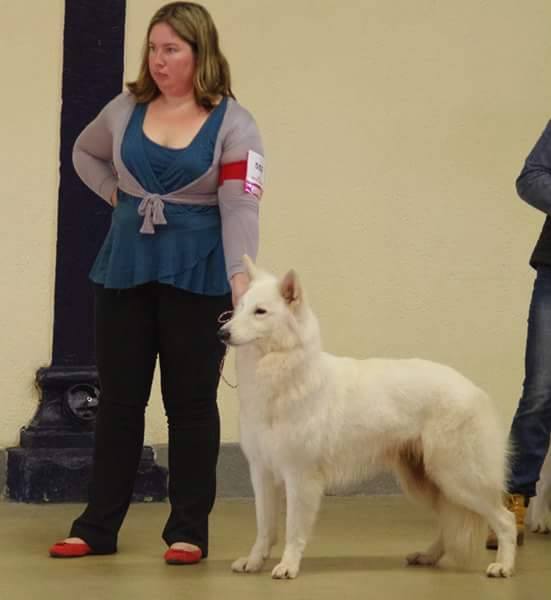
[
  {"x": 93, "y": 63},
  {"x": 54, "y": 457}
]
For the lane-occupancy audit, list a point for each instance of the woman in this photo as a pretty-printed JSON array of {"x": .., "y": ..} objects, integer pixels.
[
  {"x": 181, "y": 163},
  {"x": 531, "y": 426}
]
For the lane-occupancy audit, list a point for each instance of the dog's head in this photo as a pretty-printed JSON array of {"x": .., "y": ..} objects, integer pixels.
[{"x": 272, "y": 312}]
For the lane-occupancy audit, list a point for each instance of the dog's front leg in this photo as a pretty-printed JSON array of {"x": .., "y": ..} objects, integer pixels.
[
  {"x": 303, "y": 501},
  {"x": 267, "y": 498}
]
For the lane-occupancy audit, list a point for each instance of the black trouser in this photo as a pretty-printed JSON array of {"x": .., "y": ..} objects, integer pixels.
[{"x": 133, "y": 327}]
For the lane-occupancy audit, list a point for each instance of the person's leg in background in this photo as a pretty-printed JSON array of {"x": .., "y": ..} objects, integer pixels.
[
  {"x": 126, "y": 351},
  {"x": 531, "y": 425},
  {"x": 190, "y": 356},
  {"x": 532, "y": 422}
]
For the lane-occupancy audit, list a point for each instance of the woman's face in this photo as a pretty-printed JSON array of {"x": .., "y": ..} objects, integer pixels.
[{"x": 171, "y": 61}]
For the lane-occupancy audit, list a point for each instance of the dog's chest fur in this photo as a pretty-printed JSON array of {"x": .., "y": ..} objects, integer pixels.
[{"x": 276, "y": 406}]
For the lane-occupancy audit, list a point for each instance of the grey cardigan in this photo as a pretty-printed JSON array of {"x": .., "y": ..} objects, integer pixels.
[{"x": 97, "y": 160}]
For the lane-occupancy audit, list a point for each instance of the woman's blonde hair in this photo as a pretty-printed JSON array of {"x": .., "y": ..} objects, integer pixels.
[{"x": 193, "y": 23}]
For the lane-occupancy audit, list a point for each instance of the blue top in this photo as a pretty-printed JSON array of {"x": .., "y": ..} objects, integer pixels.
[{"x": 187, "y": 252}]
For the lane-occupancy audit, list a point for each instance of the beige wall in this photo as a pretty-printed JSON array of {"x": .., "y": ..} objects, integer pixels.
[
  {"x": 394, "y": 132},
  {"x": 30, "y": 63}
]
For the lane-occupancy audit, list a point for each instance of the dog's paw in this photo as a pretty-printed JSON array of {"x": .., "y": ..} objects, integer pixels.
[
  {"x": 540, "y": 522},
  {"x": 421, "y": 559},
  {"x": 499, "y": 570},
  {"x": 540, "y": 526},
  {"x": 247, "y": 564},
  {"x": 285, "y": 570}
]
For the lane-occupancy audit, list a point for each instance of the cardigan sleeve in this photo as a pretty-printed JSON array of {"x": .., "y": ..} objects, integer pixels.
[
  {"x": 534, "y": 182},
  {"x": 239, "y": 209},
  {"x": 93, "y": 155}
]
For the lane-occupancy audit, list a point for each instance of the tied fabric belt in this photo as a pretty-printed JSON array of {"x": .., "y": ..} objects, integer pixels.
[{"x": 151, "y": 207}]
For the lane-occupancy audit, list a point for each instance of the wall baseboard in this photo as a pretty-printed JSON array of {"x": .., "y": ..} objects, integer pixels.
[{"x": 233, "y": 475}]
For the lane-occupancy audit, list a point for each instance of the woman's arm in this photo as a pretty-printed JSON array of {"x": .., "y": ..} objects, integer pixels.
[
  {"x": 93, "y": 157},
  {"x": 534, "y": 182},
  {"x": 239, "y": 207}
]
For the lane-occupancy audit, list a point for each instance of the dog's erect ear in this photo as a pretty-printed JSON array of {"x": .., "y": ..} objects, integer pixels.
[
  {"x": 252, "y": 271},
  {"x": 290, "y": 288}
]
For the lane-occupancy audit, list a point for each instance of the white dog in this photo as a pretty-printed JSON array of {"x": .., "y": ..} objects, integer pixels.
[
  {"x": 310, "y": 420},
  {"x": 539, "y": 509}
]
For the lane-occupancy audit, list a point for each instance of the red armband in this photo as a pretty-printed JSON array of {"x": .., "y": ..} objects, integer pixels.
[
  {"x": 235, "y": 170},
  {"x": 250, "y": 171}
]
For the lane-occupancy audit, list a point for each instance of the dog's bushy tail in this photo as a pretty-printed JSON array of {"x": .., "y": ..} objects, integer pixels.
[{"x": 464, "y": 533}]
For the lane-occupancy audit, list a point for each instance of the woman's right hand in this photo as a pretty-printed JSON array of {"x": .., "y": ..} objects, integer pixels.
[{"x": 114, "y": 198}]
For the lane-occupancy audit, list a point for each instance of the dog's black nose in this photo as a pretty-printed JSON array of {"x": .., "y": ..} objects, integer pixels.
[{"x": 223, "y": 335}]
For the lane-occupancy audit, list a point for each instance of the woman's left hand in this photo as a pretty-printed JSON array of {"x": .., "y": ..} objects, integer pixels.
[{"x": 239, "y": 284}]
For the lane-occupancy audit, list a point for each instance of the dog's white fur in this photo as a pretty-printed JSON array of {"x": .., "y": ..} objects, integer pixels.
[
  {"x": 539, "y": 509},
  {"x": 310, "y": 420}
]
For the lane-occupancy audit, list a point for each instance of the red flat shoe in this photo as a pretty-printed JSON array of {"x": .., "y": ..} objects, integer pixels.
[
  {"x": 66, "y": 550},
  {"x": 183, "y": 557}
]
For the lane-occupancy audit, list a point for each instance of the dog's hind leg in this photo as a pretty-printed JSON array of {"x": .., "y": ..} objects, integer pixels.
[
  {"x": 539, "y": 511},
  {"x": 430, "y": 557},
  {"x": 503, "y": 523},
  {"x": 415, "y": 483},
  {"x": 470, "y": 507},
  {"x": 303, "y": 501},
  {"x": 540, "y": 506},
  {"x": 267, "y": 496}
]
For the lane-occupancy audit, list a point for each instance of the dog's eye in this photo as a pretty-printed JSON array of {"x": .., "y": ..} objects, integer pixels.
[{"x": 260, "y": 311}]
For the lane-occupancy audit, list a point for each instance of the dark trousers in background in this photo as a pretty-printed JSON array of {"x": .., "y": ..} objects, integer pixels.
[
  {"x": 133, "y": 327},
  {"x": 532, "y": 422}
]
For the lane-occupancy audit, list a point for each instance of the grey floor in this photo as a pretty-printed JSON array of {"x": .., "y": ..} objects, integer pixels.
[{"x": 357, "y": 551}]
